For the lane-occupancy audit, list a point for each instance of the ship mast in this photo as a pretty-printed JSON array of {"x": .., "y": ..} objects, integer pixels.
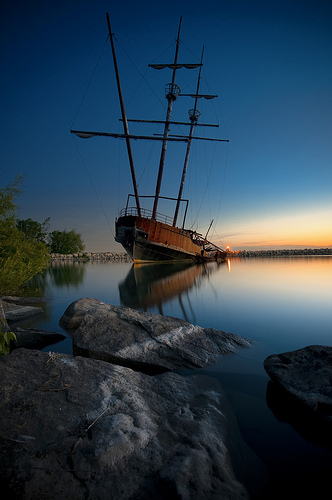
[
  {"x": 172, "y": 91},
  {"x": 124, "y": 118},
  {"x": 193, "y": 116}
]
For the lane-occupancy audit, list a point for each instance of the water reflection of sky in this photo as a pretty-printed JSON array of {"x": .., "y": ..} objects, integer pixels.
[{"x": 285, "y": 303}]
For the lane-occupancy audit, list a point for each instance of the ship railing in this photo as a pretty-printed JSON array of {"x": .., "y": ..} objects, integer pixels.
[{"x": 145, "y": 212}]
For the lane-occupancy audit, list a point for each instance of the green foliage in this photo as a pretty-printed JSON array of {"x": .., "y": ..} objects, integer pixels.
[
  {"x": 5, "y": 339},
  {"x": 20, "y": 257},
  {"x": 8, "y": 195},
  {"x": 33, "y": 229},
  {"x": 5, "y": 335},
  {"x": 24, "y": 252},
  {"x": 66, "y": 242},
  {"x": 20, "y": 260}
]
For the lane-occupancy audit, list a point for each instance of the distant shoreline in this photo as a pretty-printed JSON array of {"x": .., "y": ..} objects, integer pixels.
[
  {"x": 284, "y": 253},
  {"x": 88, "y": 256}
]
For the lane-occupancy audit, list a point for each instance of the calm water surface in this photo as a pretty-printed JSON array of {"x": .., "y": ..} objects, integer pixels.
[{"x": 282, "y": 304}]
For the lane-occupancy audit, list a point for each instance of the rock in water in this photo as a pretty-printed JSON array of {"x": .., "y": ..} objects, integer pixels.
[
  {"x": 15, "y": 313},
  {"x": 34, "y": 338},
  {"x": 74, "y": 428},
  {"x": 306, "y": 374},
  {"x": 75, "y": 312},
  {"x": 149, "y": 342}
]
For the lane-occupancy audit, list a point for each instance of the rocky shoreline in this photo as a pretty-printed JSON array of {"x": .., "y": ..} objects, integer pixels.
[
  {"x": 91, "y": 256},
  {"x": 284, "y": 252},
  {"x": 124, "y": 257},
  {"x": 115, "y": 421}
]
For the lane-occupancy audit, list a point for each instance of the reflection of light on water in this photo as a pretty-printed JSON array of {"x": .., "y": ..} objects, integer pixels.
[{"x": 229, "y": 265}]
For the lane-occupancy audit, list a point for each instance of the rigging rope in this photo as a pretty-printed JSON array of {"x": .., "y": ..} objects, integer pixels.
[
  {"x": 218, "y": 113},
  {"x": 145, "y": 41},
  {"x": 141, "y": 74},
  {"x": 163, "y": 105},
  {"x": 93, "y": 187},
  {"x": 89, "y": 82}
]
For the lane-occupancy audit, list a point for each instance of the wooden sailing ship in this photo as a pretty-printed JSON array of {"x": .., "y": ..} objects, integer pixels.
[{"x": 146, "y": 235}]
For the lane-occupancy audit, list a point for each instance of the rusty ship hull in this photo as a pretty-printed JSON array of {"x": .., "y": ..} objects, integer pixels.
[{"x": 148, "y": 240}]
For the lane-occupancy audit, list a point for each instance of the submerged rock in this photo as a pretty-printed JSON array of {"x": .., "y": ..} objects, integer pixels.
[
  {"x": 81, "y": 428},
  {"x": 22, "y": 300},
  {"x": 306, "y": 374},
  {"x": 147, "y": 342},
  {"x": 15, "y": 313},
  {"x": 34, "y": 338}
]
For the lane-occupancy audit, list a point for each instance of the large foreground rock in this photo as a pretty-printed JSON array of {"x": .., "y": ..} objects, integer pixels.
[
  {"x": 147, "y": 342},
  {"x": 306, "y": 374},
  {"x": 74, "y": 428}
]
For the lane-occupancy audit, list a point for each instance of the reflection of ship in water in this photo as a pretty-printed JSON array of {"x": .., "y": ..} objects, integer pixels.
[{"x": 152, "y": 285}]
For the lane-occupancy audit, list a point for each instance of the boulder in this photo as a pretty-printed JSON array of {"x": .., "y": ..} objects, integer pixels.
[
  {"x": 149, "y": 342},
  {"x": 34, "y": 338},
  {"x": 23, "y": 300},
  {"x": 14, "y": 312},
  {"x": 73, "y": 315},
  {"x": 74, "y": 428},
  {"x": 306, "y": 375}
]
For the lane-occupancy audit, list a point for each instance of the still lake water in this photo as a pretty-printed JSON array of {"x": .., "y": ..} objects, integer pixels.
[{"x": 282, "y": 304}]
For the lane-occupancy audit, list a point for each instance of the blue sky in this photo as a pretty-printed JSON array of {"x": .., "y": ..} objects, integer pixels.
[{"x": 270, "y": 64}]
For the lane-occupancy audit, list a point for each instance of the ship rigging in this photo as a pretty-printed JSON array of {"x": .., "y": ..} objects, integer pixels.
[{"x": 146, "y": 235}]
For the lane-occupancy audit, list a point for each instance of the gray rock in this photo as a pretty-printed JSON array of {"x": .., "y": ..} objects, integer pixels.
[
  {"x": 73, "y": 315},
  {"x": 33, "y": 338},
  {"x": 15, "y": 313},
  {"x": 149, "y": 342},
  {"x": 22, "y": 300},
  {"x": 74, "y": 428},
  {"x": 306, "y": 374}
]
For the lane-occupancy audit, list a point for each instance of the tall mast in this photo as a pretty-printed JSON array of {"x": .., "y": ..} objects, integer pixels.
[
  {"x": 193, "y": 115},
  {"x": 172, "y": 91},
  {"x": 124, "y": 118}
]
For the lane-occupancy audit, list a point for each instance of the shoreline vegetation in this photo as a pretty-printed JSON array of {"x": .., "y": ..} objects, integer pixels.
[{"x": 123, "y": 257}]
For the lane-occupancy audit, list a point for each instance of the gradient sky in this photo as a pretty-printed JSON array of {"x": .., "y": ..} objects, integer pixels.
[{"x": 270, "y": 64}]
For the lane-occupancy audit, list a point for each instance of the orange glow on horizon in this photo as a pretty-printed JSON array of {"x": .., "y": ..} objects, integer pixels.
[{"x": 301, "y": 229}]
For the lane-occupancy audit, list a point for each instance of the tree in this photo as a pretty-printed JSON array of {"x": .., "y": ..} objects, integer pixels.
[
  {"x": 20, "y": 258},
  {"x": 65, "y": 242},
  {"x": 33, "y": 229},
  {"x": 8, "y": 195}
]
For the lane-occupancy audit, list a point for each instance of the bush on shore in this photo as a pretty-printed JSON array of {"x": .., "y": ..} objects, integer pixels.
[{"x": 21, "y": 258}]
